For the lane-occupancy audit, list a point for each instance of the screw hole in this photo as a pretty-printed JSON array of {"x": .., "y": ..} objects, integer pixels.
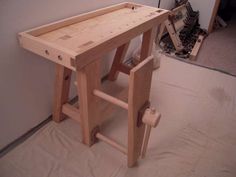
[
  {"x": 59, "y": 57},
  {"x": 47, "y": 52}
]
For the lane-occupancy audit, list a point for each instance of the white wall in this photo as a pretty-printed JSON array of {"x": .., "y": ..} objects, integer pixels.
[
  {"x": 205, "y": 8},
  {"x": 26, "y": 80},
  {"x": 167, "y": 4}
]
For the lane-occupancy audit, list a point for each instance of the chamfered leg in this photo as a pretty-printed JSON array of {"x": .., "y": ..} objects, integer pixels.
[
  {"x": 61, "y": 91},
  {"x": 88, "y": 79},
  {"x": 147, "y": 43},
  {"x": 119, "y": 57}
]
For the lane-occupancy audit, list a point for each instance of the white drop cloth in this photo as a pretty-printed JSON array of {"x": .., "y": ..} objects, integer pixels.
[{"x": 195, "y": 138}]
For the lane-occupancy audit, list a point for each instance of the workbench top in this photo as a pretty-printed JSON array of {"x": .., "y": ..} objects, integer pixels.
[{"x": 90, "y": 34}]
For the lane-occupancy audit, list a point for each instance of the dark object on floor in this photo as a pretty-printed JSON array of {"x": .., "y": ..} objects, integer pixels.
[
  {"x": 188, "y": 34},
  {"x": 183, "y": 54}
]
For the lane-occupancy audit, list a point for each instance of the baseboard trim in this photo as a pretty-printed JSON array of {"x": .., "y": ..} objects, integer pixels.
[{"x": 23, "y": 137}]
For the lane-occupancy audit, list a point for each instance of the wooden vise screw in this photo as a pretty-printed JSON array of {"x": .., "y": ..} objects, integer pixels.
[{"x": 151, "y": 118}]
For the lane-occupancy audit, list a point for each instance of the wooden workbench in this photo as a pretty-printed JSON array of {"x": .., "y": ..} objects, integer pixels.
[{"x": 78, "y": 43}]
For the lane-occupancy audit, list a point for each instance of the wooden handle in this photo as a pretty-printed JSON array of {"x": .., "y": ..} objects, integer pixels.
[
  {"x": 151, "y": 118},
  {"x": 145, "y": 140}
]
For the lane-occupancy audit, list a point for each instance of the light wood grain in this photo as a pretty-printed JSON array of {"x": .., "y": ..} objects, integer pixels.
[
  {"x": 53, "y": 52},
  {"x": 174, "y": 36},
  {"x": 151, "y": 118},
  {"x": 61, "y": 91},
  {"x": 160, "y": 32},
  {"x": 75, "y": 19},
  {"x": 124, "y": 68},
  {"x": 79, "y": 43},
  {"x": 196, "y": 48},
  {"x": 145, "y": 140},
  {"x": 89, "y": 79},
  {"x": 71, "y": 111},
  {"x": 110, "y": 99},
  {"x": 139, "y": 91},
  {"x": 147, "y": 43},
  {"x": 213, "y": 16},
  {"x": 118, "y": 59},
  {"x": 84, "y": 38},
  {"x": 112, "y": 143}
]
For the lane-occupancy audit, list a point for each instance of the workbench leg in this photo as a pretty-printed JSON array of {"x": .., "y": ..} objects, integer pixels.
[
  {"x": 160, "y": 33},
  {"x": 61, "y": 91},
  {"x": 117, "y": 62},
  {"x": 88, "y": 79},
  {"x": 147, "y": 43}
]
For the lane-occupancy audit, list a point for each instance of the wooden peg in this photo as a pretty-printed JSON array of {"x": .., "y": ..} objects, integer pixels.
[
  {"x": 110, "y": 99},
  {"x": 112, "y": 143}
]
